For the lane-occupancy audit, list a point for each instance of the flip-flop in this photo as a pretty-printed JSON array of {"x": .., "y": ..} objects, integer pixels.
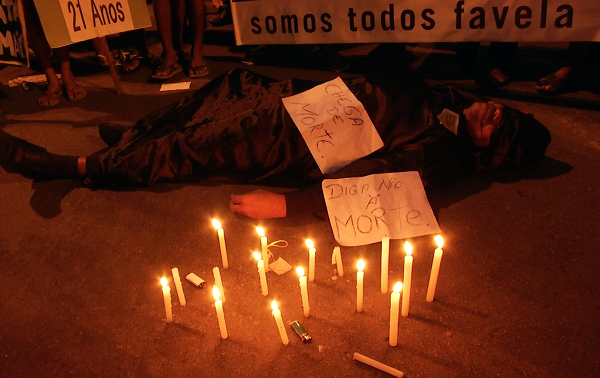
[
  {"x": 76, "y": 93},
  {"x": 557, "y": 85},
  {"x": 53, "y": 98},
  {"x": 195, "y": 72},
  {"x": 167, "y": 72}
]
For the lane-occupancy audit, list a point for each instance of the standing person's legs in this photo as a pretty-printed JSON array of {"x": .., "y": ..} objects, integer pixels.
[
  {"x": 39, "y": 45},
  {"x": 198, "y": 66},
  {"x": 164, "y": 21}
]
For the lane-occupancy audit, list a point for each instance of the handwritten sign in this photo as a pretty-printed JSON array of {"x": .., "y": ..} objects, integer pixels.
[
  {"x": 334, "y": 125},
  {"x": 70, "y": 21},
  {"x": 362, "y": 210},
  {"x": 13, "y": 44}
]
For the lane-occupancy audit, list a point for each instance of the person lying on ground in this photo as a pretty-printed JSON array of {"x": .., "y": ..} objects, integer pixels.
[{"x": 236, "y": 127}]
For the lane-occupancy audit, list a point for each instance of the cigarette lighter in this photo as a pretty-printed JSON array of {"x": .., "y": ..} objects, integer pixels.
[
  {"x": 301, "y": 332},
  {"x": 197, "y": 281}
]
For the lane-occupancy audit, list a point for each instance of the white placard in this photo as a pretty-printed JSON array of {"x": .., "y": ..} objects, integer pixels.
[
  {"x": 87, "y": 19},
  {"x": 362, "y": 210},
  {"x": 334, "y": 125}
]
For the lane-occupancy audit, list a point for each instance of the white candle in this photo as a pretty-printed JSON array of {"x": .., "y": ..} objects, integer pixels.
[
  {"x": 263, "y": 247},
  {"x": 394, "y": 308},
  {"x": 218, "y": 282},
  {"x": 435, "y": 268},
  {"x": 337, "y": 257},
  {"x": 311, "y": 260},
  {"x": 304, "y": 292},
  {"x": 279, "y": 321},
  {"x": 178, "y": 286},
  {"x": 167, "y": 298},
  {"x": 217, "y": 225},
  {"x": 378, "y": 365},
  {"x": 408, "y": 260},
  {"x": 261, "y": 272},
  {"x": 359, "y": 285},
  {"x": 220, "y": 314},
  {"x": 385, "y": 259}
]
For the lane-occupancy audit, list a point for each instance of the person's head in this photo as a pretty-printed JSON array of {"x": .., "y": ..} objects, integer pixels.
[{"x": 504, "y": 135}]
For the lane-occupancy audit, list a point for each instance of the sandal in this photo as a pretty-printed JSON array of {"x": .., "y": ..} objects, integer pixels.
[
  {"x": 50, "y": 98},
  {"x": 164, "y": 73},
  {"x": 197, "y": 71},
  {"x": 131, "y": 61},
  {"x": 557, "y": 85},
  {"x": 76, "y": 93}
]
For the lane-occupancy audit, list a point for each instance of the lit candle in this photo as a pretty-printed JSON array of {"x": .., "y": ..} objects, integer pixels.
[
  {"x": 378, "y": 365},
  {"x": 178, "y": 286},
  {"x": 167, "y": 297},
  {"x": 217, "y": 225},
  {"x": 311, "y": 260},
  {"x": 218, "y": 282},
  {"x": 220, "y": 314},
  {"x": 261, "y": 272},
  {"x": 359, "y": 285},
  {"x": 408, "y": 260},
  {"x": 385, "y": 261},
  {"x": 394, "y": 314},
  {"x": 337, "y": 257},
  {"x": 303, "y": 291},
  {"x": 263, "y": 247},
  {"x": 435, "y": 268},
  {"x": 279, "y": 321}
]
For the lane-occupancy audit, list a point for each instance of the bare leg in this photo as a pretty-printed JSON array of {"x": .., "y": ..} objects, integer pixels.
[
  {"x": 163, "y": 15},
  {"x": 197, "y": 19}
]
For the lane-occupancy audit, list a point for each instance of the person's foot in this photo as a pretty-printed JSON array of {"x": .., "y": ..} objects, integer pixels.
[
  {"x": 224, "y": 17},
  {"x": 195, "y": 72},
  {"x": 50, "y": 97},
  {"x": 562, "y": 81},
  {"x": 496, "y": 79},
  {"x": 168, "y": 68},
  {"x": 75, "y": 91}
]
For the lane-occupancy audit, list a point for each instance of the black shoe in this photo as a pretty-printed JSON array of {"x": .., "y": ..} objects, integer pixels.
[
  {"x": 224, "y": 18},
  {"x": 20, "y": 156},
  {"x": 112, "y": 133}
]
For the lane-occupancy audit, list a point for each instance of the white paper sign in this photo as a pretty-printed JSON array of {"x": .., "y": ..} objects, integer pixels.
[
  {"x": 334, "y": 125},
  {"x": 87, "y": 19},
  {"x": 362, "y": 210}
]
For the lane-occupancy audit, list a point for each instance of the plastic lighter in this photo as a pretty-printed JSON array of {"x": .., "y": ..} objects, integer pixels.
[{"x": 301, "y": 332}]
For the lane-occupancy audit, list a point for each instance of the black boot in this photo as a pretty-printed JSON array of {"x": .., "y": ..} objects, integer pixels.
[
  {"x": 20, "y": 156},
  {"x": 224, "y": 18}
]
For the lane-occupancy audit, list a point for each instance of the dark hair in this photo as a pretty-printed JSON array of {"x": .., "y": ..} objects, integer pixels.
[{"x": 519, "y": 139}]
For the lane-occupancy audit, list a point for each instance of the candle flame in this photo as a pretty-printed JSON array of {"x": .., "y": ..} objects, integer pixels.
[
  {"x": 439, "y": 241},
  {"x": 397, "y": 287},
  {"x": 163, "y": 281},
  {"x": 300, "y": 271},
  {"x": 257, "y": 256},
  {"x": 274, "y": 305},
  {"x": 360, "y": 265},
  {"x": 260, "y": 231},
  {"x": 216, "y": 224},
  {"x": 408, "y": 248},
  {"x": 216, "y": 292},
  {"x": 309, "y": 243}
]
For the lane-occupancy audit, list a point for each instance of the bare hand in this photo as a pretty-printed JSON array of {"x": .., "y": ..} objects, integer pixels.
[
  {"x": 259, "y": 204},
  {"x": 217, "y": 3}
]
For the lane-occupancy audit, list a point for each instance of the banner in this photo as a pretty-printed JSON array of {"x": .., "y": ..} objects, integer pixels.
[
  {"x": 69, "y": 21},
  {"x": 12, "y": 34},
  {"x": 362, "y": 210},
  {"x": 373, "y": 21}
]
